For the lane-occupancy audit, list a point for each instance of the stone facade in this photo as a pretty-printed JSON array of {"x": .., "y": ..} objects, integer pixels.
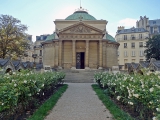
[{"x": 80, "y": 44}]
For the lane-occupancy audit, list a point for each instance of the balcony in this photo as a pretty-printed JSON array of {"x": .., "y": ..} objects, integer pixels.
[{"x": 132, "y": 38}]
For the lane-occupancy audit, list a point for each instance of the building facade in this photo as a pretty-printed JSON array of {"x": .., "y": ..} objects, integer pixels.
[
  {"x": 153, "y": 26},
  {"x": 132, "y": 42},
  {"x": 80, "y": 42},
  {"x": 28, "y": 53},
  {"x": 38, "y": 50}
]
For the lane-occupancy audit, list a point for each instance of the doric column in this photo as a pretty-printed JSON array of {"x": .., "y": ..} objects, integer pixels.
[
  {"x": 87, "y": 55},
  {"x": 73, "y": 54},
  {"x": 60, "y": 55},
  {"x": 100, "y": 54}
]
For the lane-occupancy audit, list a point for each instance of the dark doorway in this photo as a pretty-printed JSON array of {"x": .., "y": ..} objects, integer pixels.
[{"x": 80, "y": 57}]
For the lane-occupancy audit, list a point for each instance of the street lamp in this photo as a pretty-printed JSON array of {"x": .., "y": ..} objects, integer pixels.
[{"x": 34, "y": 57}]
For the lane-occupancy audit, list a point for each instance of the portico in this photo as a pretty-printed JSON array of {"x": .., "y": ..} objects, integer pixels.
[{"x": 80, "y": 43}]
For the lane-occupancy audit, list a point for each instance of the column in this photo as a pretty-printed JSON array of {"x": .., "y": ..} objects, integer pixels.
[
  {"x": 87, "y": 55},
  {"x": 73, "y": 54},
  {"x": 60, "y": 55},
  {"x": 100, "y": 54}
]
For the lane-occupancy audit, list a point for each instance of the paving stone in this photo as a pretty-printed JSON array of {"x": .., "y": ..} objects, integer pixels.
[{"x": 79, "y": 102}]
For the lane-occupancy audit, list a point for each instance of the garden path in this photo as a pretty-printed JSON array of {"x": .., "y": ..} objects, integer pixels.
[{"x": 79, "y": 102}]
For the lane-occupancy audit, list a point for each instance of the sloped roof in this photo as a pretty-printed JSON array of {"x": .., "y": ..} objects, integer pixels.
[
  {"x": 144, "y": 64},
  {"x": 50, "y": 37},
  {"x": 110, "y": 38},
  {"x": 131, "y": 30},
  {"x": 3, "y": 62},
  {"x": 154, "y": 22}
]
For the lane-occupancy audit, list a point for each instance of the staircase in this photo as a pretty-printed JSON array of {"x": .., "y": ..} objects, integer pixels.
[{"x": 79, "y": 76}]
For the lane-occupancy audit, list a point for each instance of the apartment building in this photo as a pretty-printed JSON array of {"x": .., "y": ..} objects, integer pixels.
[{"x": 132, "y": 42}]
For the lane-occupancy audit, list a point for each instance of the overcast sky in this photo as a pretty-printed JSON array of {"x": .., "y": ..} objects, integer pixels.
[{"x": 39, "y": 15}]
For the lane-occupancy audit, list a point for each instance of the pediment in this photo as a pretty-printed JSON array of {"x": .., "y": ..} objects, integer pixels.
[{"x": 81, "y": 28}]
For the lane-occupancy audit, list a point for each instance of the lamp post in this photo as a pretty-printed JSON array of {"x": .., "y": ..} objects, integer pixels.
[{"x": 34, "y": 57}]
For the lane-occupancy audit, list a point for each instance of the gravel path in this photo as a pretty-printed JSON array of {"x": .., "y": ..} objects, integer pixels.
[{"x": 79, "y": 102}]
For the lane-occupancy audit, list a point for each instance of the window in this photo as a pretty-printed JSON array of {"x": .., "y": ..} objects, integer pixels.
[
  {"x": 133, "y": 53},
  {"x": 133, "y": 60},
  {"x": 125, "y": 53},
  {"x": 125, "y": 37},
  {"x": 140, "y": 44},
  {"x": 40, "y": 60},
  {"x": 132, "y": 37},
  {"x": 40, "y": 53},
  {"x": 141, "y": 53},
  {"x": 140, "y": 36},
  {"x": 132, "y": 45},
  {"x": 118, "y": 53},
  {"x": 125, "y": 45}
]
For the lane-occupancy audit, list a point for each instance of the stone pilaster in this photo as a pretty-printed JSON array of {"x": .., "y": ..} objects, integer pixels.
[
  {"x": 87, "y": 55},
  {"x": 100, "y": 54},
  {"x": 60, "y": 55},
  {"x": 73, "y": 54}
]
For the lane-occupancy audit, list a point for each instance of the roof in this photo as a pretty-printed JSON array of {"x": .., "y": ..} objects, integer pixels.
[
  {"x": 80, "y": 15},
  {"x": 154, "y": 22},
  {"x": 110, "y": 38},
  {"x": 144, "y": 64},
  {"x": 16, "y": 63},
  {"x": 156, "y": 63},
  {"x": 3, "y": 62},
  {"x": 135, "y": 65},
  {"x": 131, "y": 30},
  {"x": 50, "y": 37}
]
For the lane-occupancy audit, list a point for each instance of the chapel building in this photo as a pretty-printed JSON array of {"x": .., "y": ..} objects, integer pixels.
[{"x": 80, "y": 42}]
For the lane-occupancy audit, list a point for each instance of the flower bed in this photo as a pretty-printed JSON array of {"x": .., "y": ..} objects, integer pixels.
[
  {"x": 140, "y": 92},
  {"x": 17, "y": 90}
]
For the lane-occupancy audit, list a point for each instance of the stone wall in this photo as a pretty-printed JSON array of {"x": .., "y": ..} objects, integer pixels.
[
  {"x": 93, "y": 54},
  {"x": 67, "y": 54}
]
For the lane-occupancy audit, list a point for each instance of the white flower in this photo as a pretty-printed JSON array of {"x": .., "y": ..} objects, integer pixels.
[
  {"x": 118, "y": 97},
  {"x": 151, "y": 89},
  {"x": 136, "y": 95},
  {"x": 27, "y": 73},
  {"x": 15, "y": 85},
  {"x": 159, "y": 77},
  {"x": 29, "y": 94},
  {"x": 42, "y": 85},
  {"x": 2, "y": 103},
  {"x": 25, "y": 81},
  {"x": 131, "y": 103},
  {"x": 158, "y": 110},
  {"x": 43, "y": 93},
  {"x": 154, "y": 118}
]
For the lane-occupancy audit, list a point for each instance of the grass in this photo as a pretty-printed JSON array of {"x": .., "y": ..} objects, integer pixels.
[
  {"x": 117, "y": 113},
  {"x": 43, "y": 110}
]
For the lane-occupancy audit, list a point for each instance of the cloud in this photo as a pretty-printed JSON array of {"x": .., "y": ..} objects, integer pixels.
[{"x": 127, "y": 22}]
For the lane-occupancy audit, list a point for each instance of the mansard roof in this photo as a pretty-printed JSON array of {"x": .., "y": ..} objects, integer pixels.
[{"x": 131, "y": 30}]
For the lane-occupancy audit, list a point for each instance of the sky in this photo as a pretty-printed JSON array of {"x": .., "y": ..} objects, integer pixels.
[{"x": 39, "y": 15}]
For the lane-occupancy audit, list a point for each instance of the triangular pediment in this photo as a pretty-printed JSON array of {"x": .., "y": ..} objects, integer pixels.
[{"x": 81, "y": 28}]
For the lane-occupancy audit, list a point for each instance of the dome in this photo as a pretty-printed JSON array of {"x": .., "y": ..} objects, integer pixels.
[
  {"x": 80, "y": 15},
  {"x": 110, "y": 38}
]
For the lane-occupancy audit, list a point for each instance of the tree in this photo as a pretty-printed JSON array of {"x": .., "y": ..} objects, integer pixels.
[
  {"x": 13, "y": 39},
  {"x": 153, "y": 48}
]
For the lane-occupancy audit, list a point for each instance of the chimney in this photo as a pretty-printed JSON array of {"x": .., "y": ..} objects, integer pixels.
[{"x": 121, "y": 28}]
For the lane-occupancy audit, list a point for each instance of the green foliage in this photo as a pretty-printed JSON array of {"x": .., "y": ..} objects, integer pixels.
[
  {"x": 110, "y": 105},
  {"x": 42, "y": 111},
  {"x": 153, "y": 48},
  {"x": 13, "y": 39},
  {"x": 142, "y": 92},
  {"x": 20, "y": 88}
]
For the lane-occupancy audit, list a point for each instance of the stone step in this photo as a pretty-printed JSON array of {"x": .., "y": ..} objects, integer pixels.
[{"x": 79, "y": 76}]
